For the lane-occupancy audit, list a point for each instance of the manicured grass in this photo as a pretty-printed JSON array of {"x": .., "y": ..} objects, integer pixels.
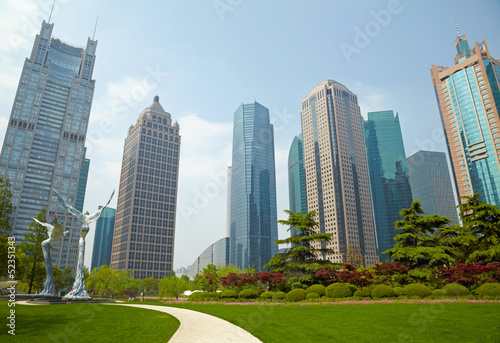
[
  {"x": 451, "y": 322},
  {"x": 87, "y": 323}
]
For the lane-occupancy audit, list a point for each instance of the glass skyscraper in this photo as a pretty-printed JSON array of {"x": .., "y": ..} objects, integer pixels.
[
  {"x": 82, "y": 182},
  {"x": 216, "y": 254},
  {"x": 391, "y": 190},
  {"x": 468, "y": 96},
  {"x": 103, "y": 239},
  {"x": 297, "y": 176},
  {"x": 431, "y": 184},
  {"x": 253, "y": 229},
  {"x": 44, "y": 143}
]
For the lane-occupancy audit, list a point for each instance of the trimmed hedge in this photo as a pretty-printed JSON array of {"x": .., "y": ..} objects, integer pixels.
[
  {"x": 200, "y": 296},
  {"x": 267, "y": 295},
  {"x": 417, "y": 289},
  {"x": 439, "y": 293},
  {"x": 455, "y": 289},
  {"x": 298, "y": 294},
  {"x": 248, "y": 294},
  {"x": 298, "y": 285},
  {"x": 312, "y": 295},
  {"x": 337, "y": 290},
  {"x": 229, "y": 293},
  {"x": 362, "y": 294},
  {"x": 489, "y": 289},
  {"x": 352, "y": 287},
  {"x": 279, "y": 295},
  {"x": 382, "y": 291},
  {"x": 318, "y": 289},
  {"x": 399, "y": 291}
]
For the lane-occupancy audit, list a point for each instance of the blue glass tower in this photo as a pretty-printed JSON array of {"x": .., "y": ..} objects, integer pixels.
[
  {"x": 253, "y": 217},
  {"x": 82, "y": 182},
  {"x": 103, "y": 239},
  {"x": 391, "y": 190},
  {"x": 297, "y": 176}
]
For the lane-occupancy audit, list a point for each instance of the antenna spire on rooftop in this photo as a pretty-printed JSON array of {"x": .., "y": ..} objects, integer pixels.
[
  {"x": 458, "y": 32},
  {"x": 52, "y": 9},
  {"x": 95, "y": 27}
]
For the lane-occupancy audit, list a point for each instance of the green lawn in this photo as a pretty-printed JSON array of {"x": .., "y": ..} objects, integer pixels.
[
  {"x": 88, "y": 323},
  {"x": 364, "y": 323}
]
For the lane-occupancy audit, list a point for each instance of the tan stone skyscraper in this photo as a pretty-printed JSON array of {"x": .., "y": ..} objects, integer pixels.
[
  {"x": 337, "y": 179},
  {"x": 143, "y": 240}
]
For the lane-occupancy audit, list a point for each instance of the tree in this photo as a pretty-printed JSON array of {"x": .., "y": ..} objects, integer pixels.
[
  {"x": 416, "y": 245},
  {"x": 172, "y": 286},
  {"x": 208, "y": 280},
  {"x": 31, "y": 246},
  {"x": 150, "y": 284},
  {"x": 301, "y": 261},
  {"x": 102, "y": 280},
  {"x": 354, "y": 256},
  {"x": 5, "y": 206},
  {"x": 57, "y": 274},
  {"x": 67, "y": 279}
]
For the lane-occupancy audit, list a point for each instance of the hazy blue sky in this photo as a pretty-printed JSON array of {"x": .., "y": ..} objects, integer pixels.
[{"x": 205, "y": 58}]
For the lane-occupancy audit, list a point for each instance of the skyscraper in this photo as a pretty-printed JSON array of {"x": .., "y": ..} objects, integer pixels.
[
  {"x": 216, "y": 254},
  {"x": 468, "y": 96},
  {"x": 431, "y": 184},
  {"x": 44, "y": 144},
  {"x": 82, "y": 182},
  {"x": 337, "y": 179},
  {"x": 103, "y": 238},
  {"x": 143, "y": 239},
  {"x": 297, "y": 176},
  {"x": 390, "y": 187},
  {"x": 253, "y": 189}
]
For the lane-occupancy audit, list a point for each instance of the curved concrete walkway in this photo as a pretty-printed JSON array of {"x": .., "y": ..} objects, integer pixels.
[{"x": 197, "y": 327}]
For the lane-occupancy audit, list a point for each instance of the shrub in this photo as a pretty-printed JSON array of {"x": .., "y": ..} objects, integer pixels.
[
  {"x": 337, "y": 290},
  {"x": 489, "y": 289},
  {"x": 352, "y": 287},
  {"x": 248, "y": 294},
  {"x": 362, "y": 293},
  {"x": 298, "y": 285},
  {"x": 298, "y": 294},
  {"x": 398, "y": 291},
  {"x": 382, "y": 291},
  {"x": 455, "y": 289},
  {"x": 312, "y": 295},
  {"x": 267, "y": 295},
  {"x": 439, "y": 293},
  {"x": 229, "y": 293},
  {"x": 279, "y": 295},
  {"x": 201, "y": 296},
  {"x": 417, "y": 289},
  {"x": 318, "y": 289}
]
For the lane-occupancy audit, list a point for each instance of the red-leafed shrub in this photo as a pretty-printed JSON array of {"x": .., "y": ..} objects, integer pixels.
[
  {"x": 327, "y": 275},
  {"x": 471, "y": 275},
  {"x": 359, "y": 278}
]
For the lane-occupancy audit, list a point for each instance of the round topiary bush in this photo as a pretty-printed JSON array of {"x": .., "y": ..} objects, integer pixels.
[
  {"x": 298, "y": 285},
  {"x": 352, "y": 287},
  {"x": 489, "y": 289},
  {"x": 248, "y": 294},
  {"x": 279, "y": 296},
  {"x": 439, "y": 293},
  {"x": 318, "y": 289},
  {"x": 298, "y": 294},
  {"x": 267, "y": 295},
  {"x": 337, "y": 290},
  {"x": 382, "y": 291},
  {"x": 229, "y": 293},
  {"x": 417, "y": 289},
  {"x": 455, "y": 289},
  {"x": 312, "y": 295},
  {"x": 398, "y": 291},
  {"x": 362, "y": 294}
]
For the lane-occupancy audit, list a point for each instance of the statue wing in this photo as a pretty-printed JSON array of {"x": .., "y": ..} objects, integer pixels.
[
  {"x": 94, "y": 216},
  {"x": 47, "y": 225},
  {"x": 79, "y": 216}
]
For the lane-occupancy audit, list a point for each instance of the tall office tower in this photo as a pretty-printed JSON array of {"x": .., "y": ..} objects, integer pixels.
[
  {"x": 297, "y": 176},
  {"x": 228, "y": 202},
  {"x": 82, "y": 182},
  {"x": 143, "y": 238},
  {"x": 431, "y": 184},
  {"x": 468, "y": 96},
  {"x": 390, "y": 187},
  {"x": 44, "y": 143},
  {"x": 216, "y": 254},
  {"x": 103, "y": 238},
  {"x": 254, "y": 226},
  {"x": 337, "y": 179}
]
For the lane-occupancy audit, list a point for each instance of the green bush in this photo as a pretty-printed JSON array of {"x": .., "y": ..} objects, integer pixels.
[
  {"x": 362, "y": 294},
  {"x": 439, "y": 293},
  {"x": 248, "y": 294},
  {"x": 418, "y": 290},
  {"x": 382, "y": 291},
  {"x": 489, "y": 289},
  {"x": 298, "y": 294},
  {"x": 267, "y": 295},
  {"x": 352, "y": 287},
  {"x": 455, "y": 289},
  {"x": 318, "y": 289},
  {"x": 298, "y": 285},
  {"x": 201, "y": 296},
  {"x": 337, "y": 290},
  {"x": 279, "y": 295},
  {"x": 312, "y": 295},
  {"x": 398, "y": 291},
  {"x": 229, "y": 293}
]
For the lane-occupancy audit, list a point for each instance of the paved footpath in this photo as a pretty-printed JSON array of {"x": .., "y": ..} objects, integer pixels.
[{"x": 197, "y": 327}]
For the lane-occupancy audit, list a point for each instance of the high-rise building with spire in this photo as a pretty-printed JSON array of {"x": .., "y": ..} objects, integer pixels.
[
  {"x": 44, "y": 144},
  {"x": 143, "y": 238},
  {"x": 468, "y": 96},
  {"x": 297, "y": 176}
]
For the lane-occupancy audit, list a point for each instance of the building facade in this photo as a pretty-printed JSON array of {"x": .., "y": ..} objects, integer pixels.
[
  {"x": 390, "y": 186},
  {"x": 253, "y": 218},
  {"x": 337, "y": 178},
  {"x": 143, "y": 239},
  {"x": 468, "y": 96},
  {"x": 431, "y": 184},
  {"x": 103, "y": 238},
  {"x": 216, "y": 254},
  {"x": 44, "y": 143},
  {"x": 82, "y": 182},
  {"x": 297, "y": 176}
]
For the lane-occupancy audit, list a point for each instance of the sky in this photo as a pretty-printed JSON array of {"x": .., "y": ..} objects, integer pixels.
[{"x": 204, "y": 58}]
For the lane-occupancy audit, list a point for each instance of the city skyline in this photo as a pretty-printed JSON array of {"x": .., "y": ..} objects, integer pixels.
[{"x": 186, "y": 45}]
